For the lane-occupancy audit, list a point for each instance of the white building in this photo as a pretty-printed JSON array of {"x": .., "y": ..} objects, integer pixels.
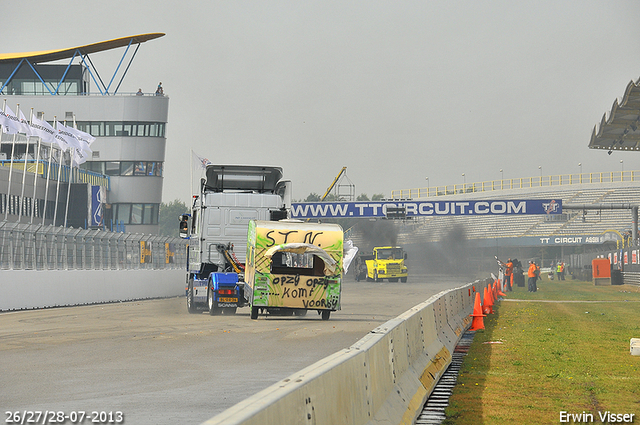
[{"x": 130, "y": 136}]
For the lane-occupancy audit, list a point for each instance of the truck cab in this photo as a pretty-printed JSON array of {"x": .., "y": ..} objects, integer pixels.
[
  {"x": 229, "y": 198},
  {"x": 387, "y": 262}
]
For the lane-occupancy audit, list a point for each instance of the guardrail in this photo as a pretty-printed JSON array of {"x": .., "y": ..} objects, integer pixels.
[
  {"x": 39, "y": 247},
  {"x": 385, "y": 377},
  {"x": 518, "y": 183}
]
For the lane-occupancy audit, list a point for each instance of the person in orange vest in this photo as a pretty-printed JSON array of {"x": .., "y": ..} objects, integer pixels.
[
  {"x": 508, "y": 274},
  {"x": 532, "y": 273}
]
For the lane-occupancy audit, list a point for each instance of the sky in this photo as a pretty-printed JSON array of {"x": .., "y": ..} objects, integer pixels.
[{"x": 396, "y": 91}]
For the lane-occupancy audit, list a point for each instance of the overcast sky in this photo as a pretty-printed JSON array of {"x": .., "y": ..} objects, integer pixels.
[{"x": 396, "y": 91}]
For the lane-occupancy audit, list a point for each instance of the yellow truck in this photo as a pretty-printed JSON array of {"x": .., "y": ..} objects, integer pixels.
[
  {"x": 293, "y": 267},
  {"x": 387, "y": 262}
]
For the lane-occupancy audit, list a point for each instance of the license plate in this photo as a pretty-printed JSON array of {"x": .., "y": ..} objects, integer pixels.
[{"x": 228, "y": 300}]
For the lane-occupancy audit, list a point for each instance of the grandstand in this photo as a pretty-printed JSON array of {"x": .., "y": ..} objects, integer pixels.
[
  {"x": 528, "y": 230},
  {"x": 445, "y": 240}
]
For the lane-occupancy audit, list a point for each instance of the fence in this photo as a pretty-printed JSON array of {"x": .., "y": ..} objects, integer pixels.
[
  {"x": 39, "y": 247},
  {"x": 519, "y": 183}
]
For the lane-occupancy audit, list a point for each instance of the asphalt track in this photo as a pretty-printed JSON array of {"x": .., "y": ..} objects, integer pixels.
[{"x": 158, "y": 364}]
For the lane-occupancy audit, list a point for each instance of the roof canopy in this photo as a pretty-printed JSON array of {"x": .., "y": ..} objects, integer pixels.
[
  {"x": 620, "y": 131},
  {"x": 54, "y": 55},
  {"x": 16, "y": 60}
]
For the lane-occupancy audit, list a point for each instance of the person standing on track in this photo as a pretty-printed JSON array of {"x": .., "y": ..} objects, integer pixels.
[
  {"x": 508, "y": 273},
  {"x": 532, "y": 273}
]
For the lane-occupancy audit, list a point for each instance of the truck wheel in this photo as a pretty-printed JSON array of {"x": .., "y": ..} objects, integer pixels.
[
  {"x": 326, "y": 314},
  {"x": 403, "y": 279},
  {"x": 375, "y": 276},
  {"x": 211, "y": 302},
  {"x": 254, "y": 313},
  {"x": 191, "y": 306}
]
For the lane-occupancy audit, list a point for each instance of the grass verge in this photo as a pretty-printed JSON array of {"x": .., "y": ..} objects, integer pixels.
[{"x": 563, "y": 348}]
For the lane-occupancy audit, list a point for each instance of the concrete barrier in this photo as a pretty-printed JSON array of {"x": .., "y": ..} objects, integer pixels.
[
  {"x": 385, "y": 378},
  {"x": 27, "y": 289}
]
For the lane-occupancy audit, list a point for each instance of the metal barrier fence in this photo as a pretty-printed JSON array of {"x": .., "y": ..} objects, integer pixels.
[
  {"x": 519, "y": 183},
  {"x": 38, "y": 247}
]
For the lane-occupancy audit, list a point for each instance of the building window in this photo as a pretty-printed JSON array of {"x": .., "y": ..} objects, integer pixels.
[
  {"x": 112, "y": 168},
  {"x": 125, "y": 168},
  {"x": 122, "y": 129},
  {"x": 136, "y": 213},
  {"x": 140, "y": 169},
  {"x": 122, "y": 213}
]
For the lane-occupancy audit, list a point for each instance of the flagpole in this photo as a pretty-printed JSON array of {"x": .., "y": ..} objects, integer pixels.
[
  {"x": 13, "y": 149},
  {"x": 35, "y": 174},
  {"x": 55, "y": 207},
  {"x": 66, "y": 209},
  {"x": 46, "y": 189},
  {"x": 190, "y": 181},
  {"x": 4, "y": 104},
  {"x": 24, "y": 169}
]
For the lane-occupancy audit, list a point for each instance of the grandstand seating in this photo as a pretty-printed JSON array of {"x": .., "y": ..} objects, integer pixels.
[{"x": 571, "y": 222}]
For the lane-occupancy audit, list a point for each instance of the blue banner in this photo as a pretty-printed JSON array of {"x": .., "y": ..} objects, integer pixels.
[
  {"x": 97, "y": 199},
  {"x": 425, "y": 208}
]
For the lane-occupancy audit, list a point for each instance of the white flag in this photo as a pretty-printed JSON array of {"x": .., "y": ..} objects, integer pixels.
[
  {"x": 85, "y": 138},
  {"x": 69, "y": 138},
  {"x": 200, "y": 162},
  {"x": 25, "y": 125},
  {"x": 9, "y": 121},
  {"x": 43, "y": 129},
  {"x": 61, "y": 140},
  {"x": 80, "y": 156}
]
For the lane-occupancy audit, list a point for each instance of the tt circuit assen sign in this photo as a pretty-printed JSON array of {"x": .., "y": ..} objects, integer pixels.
[{"x": 425, "y": 208}]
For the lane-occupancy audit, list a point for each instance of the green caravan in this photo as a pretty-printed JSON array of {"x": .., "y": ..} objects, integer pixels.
[{"x": 292, "y": 267}]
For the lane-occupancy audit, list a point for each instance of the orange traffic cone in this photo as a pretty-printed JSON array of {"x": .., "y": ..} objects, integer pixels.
[
  {"x": 488, "y": 302},
  {"x": 478, "y": 321}
]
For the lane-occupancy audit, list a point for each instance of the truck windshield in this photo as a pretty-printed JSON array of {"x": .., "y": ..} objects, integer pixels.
[{"x": 390, "y": 254}]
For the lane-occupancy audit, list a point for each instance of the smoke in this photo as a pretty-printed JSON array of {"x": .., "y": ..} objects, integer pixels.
[
  {"x": 450, "y": 255},
  {"x": 429, "y": 251},
  {"x": 377, "y": 233}
]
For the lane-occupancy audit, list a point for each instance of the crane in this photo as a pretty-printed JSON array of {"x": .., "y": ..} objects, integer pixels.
[{"x": 344, "y": 169}]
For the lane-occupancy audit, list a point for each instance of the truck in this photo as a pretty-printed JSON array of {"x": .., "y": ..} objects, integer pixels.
[
  {"x": 293, "y": 267},
  {"x": 386, "y": 262},
  {"x": 229, "y": 197}
]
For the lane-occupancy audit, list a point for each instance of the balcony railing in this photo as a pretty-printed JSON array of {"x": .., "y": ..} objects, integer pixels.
[{"x": 45, "y": 169}]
